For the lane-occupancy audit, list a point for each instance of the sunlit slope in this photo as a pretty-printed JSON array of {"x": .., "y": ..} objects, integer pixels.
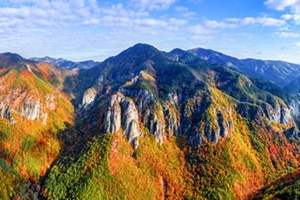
[{"x": 33, "y": 114}]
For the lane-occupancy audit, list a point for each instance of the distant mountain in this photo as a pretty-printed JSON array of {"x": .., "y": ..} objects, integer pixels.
[
  {"x": 279, "y": 72},
  {"x": 66, "y": 64}
]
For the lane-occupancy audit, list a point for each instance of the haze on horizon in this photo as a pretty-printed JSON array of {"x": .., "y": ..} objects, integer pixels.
[{"x": 92, "y": 29}]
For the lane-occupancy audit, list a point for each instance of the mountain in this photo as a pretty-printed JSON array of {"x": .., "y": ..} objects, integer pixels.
[
  {"x": 278, "y": 72},
  {"x": 178, "y": 127},
  {"x": 33, "y": 113},
  {"x": 66, "y": 64},
  {"x": 148, "y": 124}
]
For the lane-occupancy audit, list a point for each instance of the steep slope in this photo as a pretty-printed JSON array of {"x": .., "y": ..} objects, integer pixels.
[
  {"x": 33, "y": 112},
  {"x": 188, "y": 124},
  {"x": 67, "y": 64},
  {"x": 293, "y": 86},
  {"x": 287, "y": 187},
  {"x": 278, "y": 72}
]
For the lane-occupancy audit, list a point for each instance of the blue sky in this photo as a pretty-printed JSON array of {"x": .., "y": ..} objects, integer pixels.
[{"x": 94, "y": 29}]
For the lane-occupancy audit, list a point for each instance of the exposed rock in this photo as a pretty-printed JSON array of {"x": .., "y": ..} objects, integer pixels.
[
  {"x": 122, "y": 113},
  {"x": 130, "y": 120},
  {"x": 195, "y": 139},
  {"x": 294, "y": 108},
  {"x": 142, "y": 98},
  {"x": 155, "y": 124},
  {"x": 220, "y": 125},
  {"x": 285, "y": 115},
  {"x": 27, "y": 104},
  {"x": 101, "y": 78},
  {"x": 113, "y": 117},
  {"x": 89, "y": 98},
  {"x": 153, "y": 115},
  {"x": 250, "y": 111},
  {"x": 50, "y": 101},
  {"x": 279, "y": 114},
  {"x": 31, "y": 108},
  {"x": 212, "y": 133},
  {"x": 172, "y": 122}
]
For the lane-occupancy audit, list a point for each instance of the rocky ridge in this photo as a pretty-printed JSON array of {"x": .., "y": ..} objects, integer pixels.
[{"x": 136, "y": 103}]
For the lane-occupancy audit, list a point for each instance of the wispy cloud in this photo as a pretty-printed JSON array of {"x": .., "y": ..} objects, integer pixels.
[
  {"x": 152, "y": 4},
  {"x": 248, "y": 36},
  {"x": 261, "y": 21},
  {"x": 280, "y": 4},
  {"x": 83, "y": 26},
  {"x": 212, "y": 24},
  {"x": 287, "y": 34},
  {"x": 290, "y": 6},
  {"x": 185, "y": 12}
]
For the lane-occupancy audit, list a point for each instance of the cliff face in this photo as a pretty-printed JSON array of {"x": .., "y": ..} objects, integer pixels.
[
  {"x": 122, "y": 114},
  {"x": 88, "y": 98},
  {"x": 27, "y": 104},
  {"x": 165, "y": 119}
]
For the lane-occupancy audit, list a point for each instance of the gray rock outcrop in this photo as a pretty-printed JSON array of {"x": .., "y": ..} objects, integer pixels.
[
  {"x": 121, "y": 114},
  {"x": 89, "y": 98},
  {"x": 27, "y": 104}
]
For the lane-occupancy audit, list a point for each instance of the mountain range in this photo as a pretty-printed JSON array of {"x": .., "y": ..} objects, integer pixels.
[
  {"x": 148, "y": 124},
  {"x": 67, "y": 64},
  {"x": 279, "y": 72}
]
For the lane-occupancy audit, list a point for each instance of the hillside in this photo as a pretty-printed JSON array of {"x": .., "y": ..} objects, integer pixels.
[
  {"x": 155, "y": 125},
  {"x": 33, "y": 115}
]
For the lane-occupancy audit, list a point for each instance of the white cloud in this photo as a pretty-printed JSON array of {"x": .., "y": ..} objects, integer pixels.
[
  {"x": 286, "y": 17},
  {"x": 280, "y": 4},
  {"x": 148, "y": 22},
  {"x": 248, "y": 21},
  {"x": 200, "y": 30},
  {"x": 293, "y": 7},
  {"x": 185, "y": 12},
  {"x": 213, "y": 26},
  {"x": 268, "y": 21},
  {"x": 202, "y": 38},
  {"x": 287, "y": 34},
  {"x": 177, "y": 22},
  {"x": 233, "y": 20},
  {"x": 152, "y": 4},
  {"x": 181, "y": 9},
  {"x": 263, "y": 21},
  {"x": 248, "y": 36},
  {"x": 91, "y": 22},
  {"x": 218, "y": 25}
]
